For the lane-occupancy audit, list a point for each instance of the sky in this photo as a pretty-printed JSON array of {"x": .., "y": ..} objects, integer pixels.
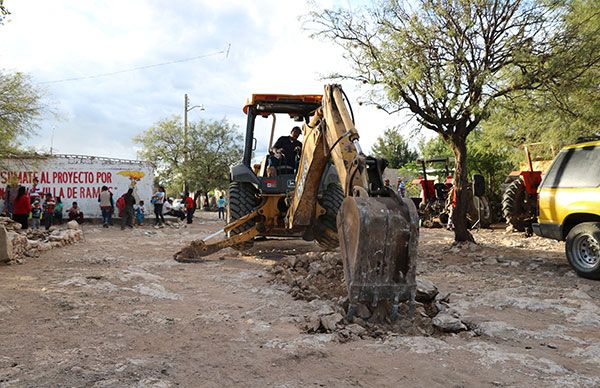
[{"x": 236, "y": 47}]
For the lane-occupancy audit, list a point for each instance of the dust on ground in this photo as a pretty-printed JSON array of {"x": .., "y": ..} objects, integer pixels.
[{"x": 117, "y": 310}]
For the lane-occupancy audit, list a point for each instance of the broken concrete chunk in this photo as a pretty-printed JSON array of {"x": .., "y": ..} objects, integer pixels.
[
  {"x": 292, "y": 260},
  {"x": 355, "y": 329},
  {"x": 313, "y": 323},
  {"x": 73, "y": 225},
  {"x": 6, "y": 251},
  {"x": 329, "y": 322},
  {"x": 448, "y": 323},
  {"x": 314, "y": 267},
  {"x": 323, "y": 307},
  {"x": 426, "y": 290},
  {"x": 362, "y": 311}
]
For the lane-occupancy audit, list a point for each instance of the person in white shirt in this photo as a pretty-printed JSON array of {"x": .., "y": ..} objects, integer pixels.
[{"x": 158, "y": 200}]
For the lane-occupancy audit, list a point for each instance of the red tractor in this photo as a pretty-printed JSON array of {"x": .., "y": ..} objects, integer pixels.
[
  {"x": 519, "y": 201},
  {"x": 438, "y": 199},
  {"x": 433, "y": 202}
]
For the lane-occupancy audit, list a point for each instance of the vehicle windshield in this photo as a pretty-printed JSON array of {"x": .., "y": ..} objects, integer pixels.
[
  {"x": 575, "y": 167},
  {"x": 262, "y": 133}
]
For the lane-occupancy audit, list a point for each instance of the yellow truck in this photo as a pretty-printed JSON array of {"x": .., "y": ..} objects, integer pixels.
[{"x": 569, "y": 205}]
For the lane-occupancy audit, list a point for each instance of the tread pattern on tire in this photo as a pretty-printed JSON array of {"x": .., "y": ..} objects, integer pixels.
[
  {"x": 593, "y": 229},
  {"x": 242, "y": 200},
  {"x": 331, "y": 200},
  {"x": 513, "y": 205}
]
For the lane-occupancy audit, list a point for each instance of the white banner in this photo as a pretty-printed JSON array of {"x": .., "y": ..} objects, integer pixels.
[{"x": 76, "y": 178}]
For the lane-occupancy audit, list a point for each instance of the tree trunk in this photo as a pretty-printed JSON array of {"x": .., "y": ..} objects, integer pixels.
[{"x": 459, "y": 215}]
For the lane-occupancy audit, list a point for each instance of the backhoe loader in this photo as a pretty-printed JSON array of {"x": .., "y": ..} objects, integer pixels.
[{"x": 333, "y": 194}]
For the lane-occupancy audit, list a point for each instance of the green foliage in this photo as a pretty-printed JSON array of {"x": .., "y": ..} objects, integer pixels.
[
  {"x": 394, "y": 148},
  {"x": 494, "y": 163},
  {"x": 20, "y": 107},
  {"x": 434, "y": 147},
  {"x": 563, "y": 109},
  {"x": 212, "y": 147}
]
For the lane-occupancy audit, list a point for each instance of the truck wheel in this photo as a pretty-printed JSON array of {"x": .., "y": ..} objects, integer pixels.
[
  {"x": 331, "y": 200},
  {"x": 514, "y": 206},
  {"x": 583, "y": 249},
  {"x": 242, "y": 200}
]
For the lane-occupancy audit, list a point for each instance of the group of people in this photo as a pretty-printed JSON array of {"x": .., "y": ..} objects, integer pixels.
[
  {"x": 22, "y": 204},
  {"x": 131, "y": 212},
  {"x": 129, "y": 209},
  {"x": 164, "y": 206}
]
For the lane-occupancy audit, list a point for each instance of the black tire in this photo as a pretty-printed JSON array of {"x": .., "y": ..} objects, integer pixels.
[
  {"x": 331, "y": 200},
  {"x": 484, "y": 212},
  {"x": 242, "y": 200},
  {"x": 583, "y": 249},
  {"x": 514, "y": 206}
]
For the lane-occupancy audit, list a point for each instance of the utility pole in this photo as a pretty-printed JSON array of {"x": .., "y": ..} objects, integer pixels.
[
  {"x": 185, "y": 142},
  {"x": 186, "y": 150}
]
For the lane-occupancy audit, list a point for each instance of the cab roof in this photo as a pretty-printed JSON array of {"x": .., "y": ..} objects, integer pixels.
[
  {"x": 588, "y": 142},
  {"x": 293, "y": 104}
]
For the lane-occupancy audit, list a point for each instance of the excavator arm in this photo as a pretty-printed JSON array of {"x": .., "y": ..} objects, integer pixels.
[{"x": 377, "y": 230}]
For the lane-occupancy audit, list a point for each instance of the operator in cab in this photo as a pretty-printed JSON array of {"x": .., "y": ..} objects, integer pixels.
[{"x": 285, "y": 150}]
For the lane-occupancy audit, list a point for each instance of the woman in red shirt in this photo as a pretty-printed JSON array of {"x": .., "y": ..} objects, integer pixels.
[{"x": 22, "y": 208}]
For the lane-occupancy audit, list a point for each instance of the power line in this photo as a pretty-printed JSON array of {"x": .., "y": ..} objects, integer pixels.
[{"x": 226, "y": 51}]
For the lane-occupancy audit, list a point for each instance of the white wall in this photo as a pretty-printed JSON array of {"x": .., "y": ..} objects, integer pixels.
[{"x": 79, "y": 178}]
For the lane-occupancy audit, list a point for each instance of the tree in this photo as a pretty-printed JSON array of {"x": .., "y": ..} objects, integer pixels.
[
  {"x": 215, "y": 146},
  {"x": 450, "y": 61},
  {"x": 212, "y": 145},
  {"x": 20, "y": 107},
  {"x": 394, "y": 148}
]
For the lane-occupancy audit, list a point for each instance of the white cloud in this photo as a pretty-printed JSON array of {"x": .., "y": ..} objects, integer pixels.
[{"x": 270, "y": 52}]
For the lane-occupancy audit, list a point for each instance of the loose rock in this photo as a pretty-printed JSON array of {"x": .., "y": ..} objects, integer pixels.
[
  {"x": 329, "y": 322},
  {"x": 73, "y": 225},
  {"x": 426, "y": 290},
  {"x": 448, "y": 323}
]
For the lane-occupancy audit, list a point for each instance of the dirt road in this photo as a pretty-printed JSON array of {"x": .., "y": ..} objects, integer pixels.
[{"x": 116, "y": 310}]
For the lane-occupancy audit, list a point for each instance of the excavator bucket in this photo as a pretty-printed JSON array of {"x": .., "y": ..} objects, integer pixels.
[{"x": 378, "y": 242}]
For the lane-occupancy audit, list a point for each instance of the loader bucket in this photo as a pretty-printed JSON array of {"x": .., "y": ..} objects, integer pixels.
[{"x": 378, "y": 242}]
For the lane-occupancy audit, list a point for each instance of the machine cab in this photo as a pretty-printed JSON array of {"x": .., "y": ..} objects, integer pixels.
[{"x": 269, "y": 117}]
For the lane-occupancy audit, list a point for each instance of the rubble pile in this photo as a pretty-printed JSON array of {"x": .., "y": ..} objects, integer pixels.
[
  {"x": 318, "y": 277},
  {"x": 15, "y": 243},
  {"x": 312, "y": 275}
]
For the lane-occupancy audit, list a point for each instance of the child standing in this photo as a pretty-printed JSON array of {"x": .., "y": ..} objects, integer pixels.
[
  {"x": 221, "y": 202},
  {"x": 48, "y": 208},
  {"x": 140, "y": 210},
  {"x": 36, "y": 214}
]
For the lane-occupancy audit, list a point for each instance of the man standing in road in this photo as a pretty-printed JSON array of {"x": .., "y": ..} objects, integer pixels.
[
  {"x": 106, "y": 205},
  {"x": 127, "y": 212},
  {"x": 189, "y": 207},
  {"x": 158, "y": 199},
  {"x": 221, "y": 202}
]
